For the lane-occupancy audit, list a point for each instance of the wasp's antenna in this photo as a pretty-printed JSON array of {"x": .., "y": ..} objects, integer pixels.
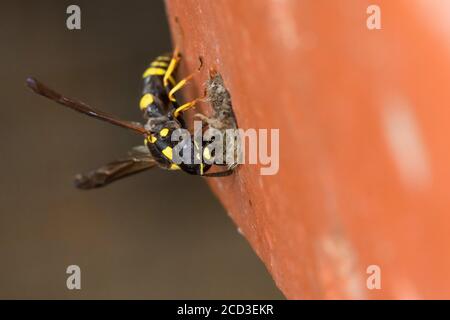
[{"x": 43, "y": 90}]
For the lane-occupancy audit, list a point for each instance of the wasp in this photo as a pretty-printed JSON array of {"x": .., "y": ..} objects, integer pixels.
[{"x": 163, "y": 114}]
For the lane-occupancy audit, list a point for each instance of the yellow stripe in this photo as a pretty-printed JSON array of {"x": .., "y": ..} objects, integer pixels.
[
  {"x": 159, "y": 64},
  {"x": 151, "y": 138},
  {"x": 146, "y": 100},
  {"x": 174, "y": 166},
  {"x": 154, "y": 72},
  {"x": 157, "y": 72},
  {"x": 201, "y": 168},
  {"x": 164, "y": 132},
  {"x": 168, "y": 152},
  {"x": 163, "y": 58}
]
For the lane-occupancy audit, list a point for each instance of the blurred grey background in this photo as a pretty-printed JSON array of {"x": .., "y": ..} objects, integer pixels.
[{"x": 155, "y": 235}]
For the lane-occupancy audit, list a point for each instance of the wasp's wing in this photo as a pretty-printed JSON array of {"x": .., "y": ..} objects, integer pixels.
[{"x": 138, "y": 159}]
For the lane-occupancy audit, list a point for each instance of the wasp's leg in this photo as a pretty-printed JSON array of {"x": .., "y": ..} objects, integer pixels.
[
  {"x": 187, "y": 106},
  {"x": 172, "y": 66},
  {"x": 182, "y": 83},
  {"x": 210, "y": 121},
  {"x": 204, "y": 119}
]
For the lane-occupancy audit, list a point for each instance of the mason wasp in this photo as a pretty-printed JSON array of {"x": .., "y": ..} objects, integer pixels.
[{"x": 163, "y": 115}]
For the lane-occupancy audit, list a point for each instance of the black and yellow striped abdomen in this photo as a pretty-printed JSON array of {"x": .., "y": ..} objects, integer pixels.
[{"x": 155, "y": 101}]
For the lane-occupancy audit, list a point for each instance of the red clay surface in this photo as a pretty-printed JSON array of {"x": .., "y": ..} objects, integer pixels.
[{"x": 364, "y": 126}]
